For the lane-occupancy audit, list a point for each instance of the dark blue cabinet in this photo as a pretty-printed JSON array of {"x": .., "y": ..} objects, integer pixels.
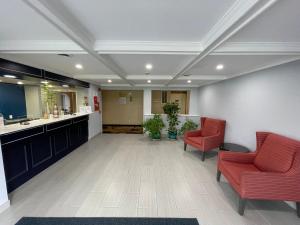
[
  {"x": 22, "y": 71},
  {"x": 40, "y": 151},
  {"x": 16, "y": 163},
  {"x": 28, "y": 152},
  {"x": 19, "y": 69},
  {"x": 78, "y": 132}
]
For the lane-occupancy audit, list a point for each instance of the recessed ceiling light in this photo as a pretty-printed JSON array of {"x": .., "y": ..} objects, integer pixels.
[
  {"x": 20, "y": 82},
  {"x": 189, "y": 81},
  {"x": 10, "y": 76},
  {"x": 148, "y": 81},
  {"x": 79, "y": 66},
  {"x": 109, "y": 81},
  {"x": 45, "y": 82},
  {"x": 149, "y": 66},
  {"x": 65, "y": 85},
  {"x": 50, "y": 86},
  {"x": 220, "y": 67}
]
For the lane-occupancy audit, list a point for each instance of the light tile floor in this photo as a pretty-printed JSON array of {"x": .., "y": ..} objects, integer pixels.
[{"x": 123, "y": 175}]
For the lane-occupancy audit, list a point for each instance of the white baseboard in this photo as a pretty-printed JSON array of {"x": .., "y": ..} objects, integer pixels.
[{"x": 4, "y": 206}]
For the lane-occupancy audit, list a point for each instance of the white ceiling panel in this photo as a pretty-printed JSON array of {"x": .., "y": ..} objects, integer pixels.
[
  {"x": 20, "y": 22},
  {"x": 193, "y": 83},
  {"x": 280, "y": 23},
  {"x": 162, "y": 64},
  {"x": 156, "y": 82},
  {"x": 144, "y": 20},
  {"x": 236, "y": 64},
  {"x": 114, "y": 82},
  {"x": 61, "y": 64}
]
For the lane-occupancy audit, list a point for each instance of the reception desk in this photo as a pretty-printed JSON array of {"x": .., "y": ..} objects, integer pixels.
[{"x": 29, "y": 149}]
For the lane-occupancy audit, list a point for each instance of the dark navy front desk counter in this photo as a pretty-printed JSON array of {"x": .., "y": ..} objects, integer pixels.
[{"x": 29, "y": 151}]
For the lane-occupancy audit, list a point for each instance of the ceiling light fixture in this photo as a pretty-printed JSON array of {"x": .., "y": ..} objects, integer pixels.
[
  {"x": 45, "y": 82},
  {"x": 189, "y": 81},
  {"x": 65, "y": 85},
  {"x": 148, "y": 81},
  {"x": 220, "y": 67},
  {"x": 79, "y": 66},
  {"x": 149, "y": 66},
  {"x": 10, "y": 76},
  {"x": 20, "y": 82},
  {"x": 109, "y": 81}
]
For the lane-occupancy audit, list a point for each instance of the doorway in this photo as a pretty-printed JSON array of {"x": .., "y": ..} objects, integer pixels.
[{"x": 122, "y": 111}]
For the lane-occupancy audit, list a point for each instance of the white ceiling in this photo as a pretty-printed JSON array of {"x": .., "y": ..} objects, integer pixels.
[
  {"x": 278, "y": 24},
  {"x": 144, "y": 20},
  {"x": 20, "y": 22},
  {"x": 61, "y": 64},
  {"x": 162, "y": 64},
  {"x": 235, "y": 64},
  {"x": 114, "y": 39}
]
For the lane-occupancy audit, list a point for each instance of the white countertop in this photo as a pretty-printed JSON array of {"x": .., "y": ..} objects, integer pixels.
[{"x": 36, "y": 123}]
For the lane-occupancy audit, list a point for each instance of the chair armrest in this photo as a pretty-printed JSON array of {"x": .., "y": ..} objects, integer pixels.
[
  {"x": 239, "y": 157},
  {"x": 271, "y": 184},
  {"x": 194, "y": 133},
  {"x": 213, "y": 141}
]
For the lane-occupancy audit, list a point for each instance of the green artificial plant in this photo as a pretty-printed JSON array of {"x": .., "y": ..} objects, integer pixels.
[
  {"x": 154, "y": 126},
  {"x": 172, "y": 109},
  {"x": 188, "y": 126}
]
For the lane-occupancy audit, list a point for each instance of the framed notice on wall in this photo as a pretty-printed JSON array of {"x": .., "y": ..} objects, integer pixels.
[{"x": 122, "y": 100}]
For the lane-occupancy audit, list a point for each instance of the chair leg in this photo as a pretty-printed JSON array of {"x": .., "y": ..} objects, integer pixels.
[
  {"x": 185, "y": 144},
  {"x": 203, "y": 156},
  {"x": 218, "y": 175},
  {"x": 298, "y": 208},
  {"x": 242, "y": 205}
]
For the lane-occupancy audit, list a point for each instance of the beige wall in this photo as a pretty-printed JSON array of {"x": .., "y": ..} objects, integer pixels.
[{"x": 122, "y": 107}]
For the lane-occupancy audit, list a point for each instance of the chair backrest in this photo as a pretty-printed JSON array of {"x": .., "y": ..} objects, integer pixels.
[
  {"x": 211, "y": 127},
  {"x": 276, "y": 153}
]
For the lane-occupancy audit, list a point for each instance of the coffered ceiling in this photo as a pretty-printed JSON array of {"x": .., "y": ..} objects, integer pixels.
[{"x": 183, "y": 40}]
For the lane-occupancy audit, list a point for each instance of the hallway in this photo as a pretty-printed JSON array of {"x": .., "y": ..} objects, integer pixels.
[{"x": 125, "y": 175}]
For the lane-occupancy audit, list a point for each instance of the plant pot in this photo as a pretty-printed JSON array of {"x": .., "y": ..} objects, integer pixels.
[
  {"x": 172, "y": 135},
  {"x": 155, "y": 136}
]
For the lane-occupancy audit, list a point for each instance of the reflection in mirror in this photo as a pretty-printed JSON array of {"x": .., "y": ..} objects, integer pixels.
[
  {"x": 29, "y": 99},
  {"x": 63, "y": 97}
]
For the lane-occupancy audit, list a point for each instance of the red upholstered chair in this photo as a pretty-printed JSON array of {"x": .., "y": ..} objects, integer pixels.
[
  {"x": 272, "y": 172},
  {"x": 210, "y": 136}
]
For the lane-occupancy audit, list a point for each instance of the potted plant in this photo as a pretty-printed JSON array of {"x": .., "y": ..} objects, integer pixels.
[
  {"x": 188, "y": 126},
  {"x": 172, "y": 110},
  {"x": 154, "y": 126}
]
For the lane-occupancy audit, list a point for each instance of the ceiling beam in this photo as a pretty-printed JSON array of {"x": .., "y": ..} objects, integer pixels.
[
  {"x": 148, "y": 47},
  {"x": 239, "y": 15},
  {"x": 156, "y": 47},
  {"x": 258, "y": 48},
  {"x": 62, "y": 19}
]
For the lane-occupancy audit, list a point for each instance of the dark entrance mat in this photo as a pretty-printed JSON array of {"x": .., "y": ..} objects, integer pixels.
[{"x": 105, "y": 221}]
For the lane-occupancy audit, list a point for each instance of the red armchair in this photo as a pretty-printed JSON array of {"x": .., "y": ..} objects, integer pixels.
[
  {"x": 210, "y": 136},
  {"x": 272, "y": 172}
]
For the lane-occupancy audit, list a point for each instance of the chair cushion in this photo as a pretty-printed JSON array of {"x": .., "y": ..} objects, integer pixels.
[
  {"x": 235, "y": 170},
  {"x": 210, "y": 127},
  {"x": 197, "y": 140},
  {"x": 276, "y": 154}
]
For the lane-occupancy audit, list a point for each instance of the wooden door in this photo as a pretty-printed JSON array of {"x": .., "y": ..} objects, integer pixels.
[{"x": 180, "y": 98}]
